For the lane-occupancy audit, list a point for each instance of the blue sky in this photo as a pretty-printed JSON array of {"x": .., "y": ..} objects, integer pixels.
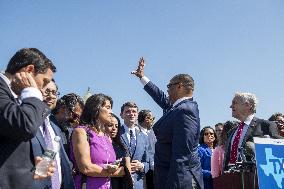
[{"x": 226, "y": 45}]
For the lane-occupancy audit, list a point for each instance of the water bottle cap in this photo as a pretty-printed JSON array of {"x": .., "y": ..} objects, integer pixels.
[{"x": 57, "y": 138}]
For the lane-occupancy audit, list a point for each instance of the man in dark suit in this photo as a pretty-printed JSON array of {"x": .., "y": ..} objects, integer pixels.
[
  {"x": 136, "y": 142},
  {"x": 21, "y": 113},
  {"x": 240, "y": 141},
  {"x": 177, "y": 164},
  {"x": 62, "y": 177}
]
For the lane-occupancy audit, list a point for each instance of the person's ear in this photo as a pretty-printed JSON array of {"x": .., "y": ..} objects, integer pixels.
[{"x": 30, "y": 68}]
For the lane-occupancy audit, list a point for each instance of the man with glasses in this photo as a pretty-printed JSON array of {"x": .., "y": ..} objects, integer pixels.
[
  {"x": 62, "y": 177},
  {"x": 177, "y": 164}
]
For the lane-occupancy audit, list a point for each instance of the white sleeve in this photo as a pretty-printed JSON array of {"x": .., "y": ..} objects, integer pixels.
[
  {"x": 31, "y": 92},
  {"x": 144, "y": 80}
]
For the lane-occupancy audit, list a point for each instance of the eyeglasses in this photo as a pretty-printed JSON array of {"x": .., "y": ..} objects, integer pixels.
[
  {"x": 280, "y": 122},
  {"x": 48, "y": 92},
  {"x": 151, "y": 118},
  {"x": 172, "y": 84},
  {"x": 206, "y": 134}
]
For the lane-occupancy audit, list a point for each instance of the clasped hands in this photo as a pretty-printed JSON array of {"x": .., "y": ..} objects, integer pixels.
[{"x": 136, "y": 166}]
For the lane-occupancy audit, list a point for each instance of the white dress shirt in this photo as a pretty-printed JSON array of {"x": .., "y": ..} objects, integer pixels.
[
  {"x": 127, "y": 131},
  {"x": 52, "y": 134}
]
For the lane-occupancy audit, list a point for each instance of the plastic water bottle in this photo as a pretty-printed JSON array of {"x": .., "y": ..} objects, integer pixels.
[{"x": 47, "y": 158}]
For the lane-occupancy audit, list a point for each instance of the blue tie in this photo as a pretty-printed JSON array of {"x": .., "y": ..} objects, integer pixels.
[{"x": 132, "y": 142}]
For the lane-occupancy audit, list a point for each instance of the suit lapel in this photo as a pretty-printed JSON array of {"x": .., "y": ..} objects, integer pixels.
[
  {"x": 124, "y": 137},
  {"x": 250, "y": 130},
  {"x": 138, "y": 135},
  {"x": 40, "y": 138}
]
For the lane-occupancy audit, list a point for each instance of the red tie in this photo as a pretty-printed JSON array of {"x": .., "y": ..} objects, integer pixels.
[{"x": 234, "y": 149}]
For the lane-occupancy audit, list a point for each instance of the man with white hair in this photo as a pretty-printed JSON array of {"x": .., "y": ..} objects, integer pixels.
[{"x": 244, "y": 109}]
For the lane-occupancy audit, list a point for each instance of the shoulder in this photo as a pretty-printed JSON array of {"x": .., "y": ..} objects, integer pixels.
[
  {"x": 188, "y": 106},
  {"x": 79, "y": 130}
]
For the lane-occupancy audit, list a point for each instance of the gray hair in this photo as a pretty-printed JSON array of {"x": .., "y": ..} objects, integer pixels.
[{"x": 247, "y": 98}]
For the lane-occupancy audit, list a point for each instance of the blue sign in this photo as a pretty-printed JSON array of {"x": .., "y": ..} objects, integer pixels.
[{"x": 270, "y": 162}]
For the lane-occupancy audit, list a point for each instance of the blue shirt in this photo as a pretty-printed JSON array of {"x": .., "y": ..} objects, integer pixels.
[{"x": 205, "y": 154}]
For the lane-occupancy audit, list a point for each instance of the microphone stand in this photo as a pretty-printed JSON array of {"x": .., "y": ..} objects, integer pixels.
[{"x": 245, "y": 166}]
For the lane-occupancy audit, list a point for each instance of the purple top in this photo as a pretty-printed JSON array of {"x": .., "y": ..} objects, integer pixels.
[{"x": 101, "y": 152}]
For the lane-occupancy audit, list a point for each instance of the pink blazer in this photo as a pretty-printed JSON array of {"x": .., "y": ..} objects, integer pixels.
[{"x": 217, "y": 161}]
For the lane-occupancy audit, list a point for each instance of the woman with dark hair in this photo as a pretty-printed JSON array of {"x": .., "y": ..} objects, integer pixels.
[
  {"x": 122, "y": 155},
  {"x": 218, "y": 154},
  {"x": 93, "y": 153},
  {"x": 208, "y": 141}
]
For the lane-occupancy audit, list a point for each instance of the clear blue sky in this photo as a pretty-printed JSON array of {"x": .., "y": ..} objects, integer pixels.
[{"x": 226, "y": 45}]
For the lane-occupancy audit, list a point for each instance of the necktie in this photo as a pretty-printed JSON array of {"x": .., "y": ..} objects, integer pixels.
[
  {"x": 234, "y": 150},
  {"x": 48, "y": 141},
  {"x": 132, "y": 142}
]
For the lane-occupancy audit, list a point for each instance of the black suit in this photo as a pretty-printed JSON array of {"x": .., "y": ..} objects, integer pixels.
[
  {"x": 18, "y": 124},
  {"x": 257, "y": 128},
  {"x": 39, "y": 145}
]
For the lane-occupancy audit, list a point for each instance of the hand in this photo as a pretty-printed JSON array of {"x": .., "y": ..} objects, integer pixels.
[
  {"x": 50, "y": 170},
  {"x": 111, "y": 168},
  {"x": 136, "y": 166},
  {"x": 139, "y": 72},
  {"x": 22, "y": 80}
]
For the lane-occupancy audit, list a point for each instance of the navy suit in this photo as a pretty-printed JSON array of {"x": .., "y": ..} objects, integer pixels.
[
  {"x": 39, "y": 145},
  {"x": 140, "y": 154},
  {"x": 18, "y": 124},
  {"x": 177, "y": 133},
  {"x": 257, "y": 128}
]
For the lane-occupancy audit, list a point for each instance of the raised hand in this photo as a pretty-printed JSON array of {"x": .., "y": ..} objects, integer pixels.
[
  {"x": 22, "y": 80},
  {"x": 139, "y": 72}
]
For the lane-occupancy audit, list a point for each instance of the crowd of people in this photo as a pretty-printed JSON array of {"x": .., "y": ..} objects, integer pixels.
[{"x": 99, "y": 150}]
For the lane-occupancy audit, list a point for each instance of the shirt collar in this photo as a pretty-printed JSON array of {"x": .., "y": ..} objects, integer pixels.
[
  {"x": 144, "y": 130},
  {"x": 249, "y": 119},
  {"x": 8, "y": 82},
  {"x": 180, "y": 100},
  {"x": 127, "y": 129}
]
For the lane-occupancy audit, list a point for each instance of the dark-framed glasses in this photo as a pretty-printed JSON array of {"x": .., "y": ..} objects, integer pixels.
[
  {"x": 172, "y": 84},
  {"x": 206, "y": 134},
  {"x": 49, "y": 92}
]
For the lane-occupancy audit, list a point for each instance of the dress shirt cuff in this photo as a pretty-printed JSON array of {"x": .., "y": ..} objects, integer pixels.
[
  {"x": 31, "y": 92},
  {"x": 144, "y": 80}
]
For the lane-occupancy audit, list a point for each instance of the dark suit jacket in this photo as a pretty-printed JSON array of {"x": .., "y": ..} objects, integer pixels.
[
  {"x": 140, "y": 154},
  {"x": 39, "y": 145},
  {"x": 18, "y": 124},
  {"x": 257, "y": 128},
  {"x": 177, "y": 133}
]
